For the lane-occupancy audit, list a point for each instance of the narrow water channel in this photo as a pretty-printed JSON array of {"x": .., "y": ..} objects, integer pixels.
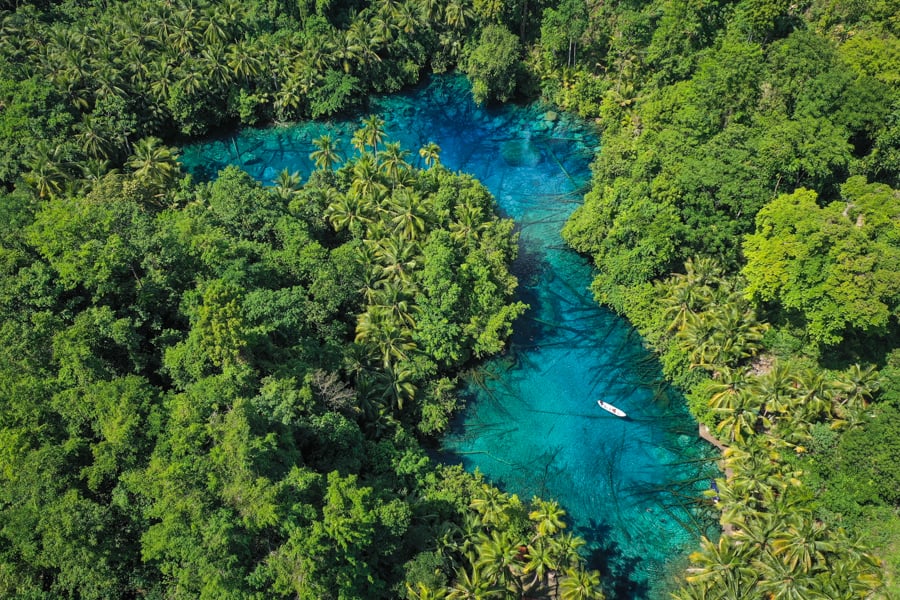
[{"x": 532, "y": 423}]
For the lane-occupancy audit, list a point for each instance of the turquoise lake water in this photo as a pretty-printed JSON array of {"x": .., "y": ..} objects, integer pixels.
[{"x": 532, "y": 425}]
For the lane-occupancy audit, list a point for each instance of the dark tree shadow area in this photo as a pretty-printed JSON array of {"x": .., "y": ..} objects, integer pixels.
[{"x": 616, "y": 568}]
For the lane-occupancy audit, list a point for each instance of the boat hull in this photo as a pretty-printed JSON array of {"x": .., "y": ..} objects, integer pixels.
[{"x": 612, "y": 409}]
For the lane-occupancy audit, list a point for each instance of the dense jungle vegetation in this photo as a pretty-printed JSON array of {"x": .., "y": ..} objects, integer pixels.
[
  {"x": 222, "y": 389},
  {"x": 754, "y": 150}
]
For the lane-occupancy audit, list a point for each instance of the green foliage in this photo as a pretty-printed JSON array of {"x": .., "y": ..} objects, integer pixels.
[
  {"x": 691, "y": 154},
  {"x": 762, "y": 19},
  {"x": 709, "y": 112},
  {"x": 869, "y": 455},
  {"x": 561, "y": 30},
  {"x": 493, "y": 65},
  {"x": 33, "y": 112},
  {"x": 439, "y": 402},
  {"x": 631, "y": 238},
  {"x": 189, "y": 413},
  {"x": 427, "y": 568},
  {"x": 337, "y": 91},
  {"x": 208, "y": 388},
  {"x": 835, "y": 264},
  {"x": 882, "y": 529},
  {"x": 244, "y": 208},
  {"x": 103, "y": 79}
]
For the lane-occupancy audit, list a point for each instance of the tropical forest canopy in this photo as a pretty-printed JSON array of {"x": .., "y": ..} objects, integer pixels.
[{"x": 223, "y": 390}]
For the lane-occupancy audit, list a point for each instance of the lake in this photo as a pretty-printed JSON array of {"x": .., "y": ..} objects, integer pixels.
[{"x": 632, "y": 487}]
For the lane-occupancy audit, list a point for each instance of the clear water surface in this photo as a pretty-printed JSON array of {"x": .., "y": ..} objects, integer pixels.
[{"x": 532, "y": 423}]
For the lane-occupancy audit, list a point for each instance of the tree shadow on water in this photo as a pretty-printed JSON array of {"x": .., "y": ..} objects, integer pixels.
[
  {"x": 617, "y": 568},
  {"x": 528, "y": 267}
]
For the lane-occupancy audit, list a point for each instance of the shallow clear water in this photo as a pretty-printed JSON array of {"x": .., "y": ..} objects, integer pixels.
[{"x": 532, "y": 424}]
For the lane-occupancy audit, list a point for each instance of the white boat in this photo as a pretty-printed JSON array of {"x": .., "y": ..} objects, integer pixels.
[{"x": 610, "y": 408}]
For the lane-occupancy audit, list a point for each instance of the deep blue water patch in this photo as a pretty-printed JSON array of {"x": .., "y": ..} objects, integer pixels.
[{"x": 532, "y": 424}]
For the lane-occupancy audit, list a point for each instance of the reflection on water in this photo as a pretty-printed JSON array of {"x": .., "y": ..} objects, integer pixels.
[{"x": 532, "y": 424}]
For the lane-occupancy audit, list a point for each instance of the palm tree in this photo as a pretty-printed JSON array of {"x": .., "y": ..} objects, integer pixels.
[
  {"x": 343, "y": 50},
  {"x": 705, "y": 271},
  {"x": 326, "y": 155},
  {"x": 243, "y": 60},
  {"x": 95, "y": 170},
  {"x": 358, "y": 141},
  {"x": 214, "y": 26},
  {"x": 728, "y": 387},
  {"x": 315, "y": 55},
  {"x": 492, "y": 505},
  {"x": 457, "y": 14},
  {"x": 697, "y": 337},
  {"x": 372, "y": 282},
  {"x": 775, "y": 388},
  {"x": 489, "y": 9},
  {"x": 500, "y": 558},
  {"x": 397, "y": 304},
  {"x": 802, "y": 544},
  {"x": 579, "y": 584},
  {"x": 816, "y": 391},
  {"x": 373, "y": 131},
  {"x": 347, "y": 212},
  {"x": 45, "y": 173},
  {"x": 473, "y": 587},
  {"x": 565, "y": 548},
  {"x": 287, "y": 184},
  {"x": 162, "y": 76},
  {"x": 686, "y": 293},
  {"x": 387, "y": 7},
  {"x": 754, "y": 529},
  {"x": 423, "y": 592},
  {"x": 430, "y": 11},
  {"x": 154, "y": 163},
  {"x": 362, "y": 41},
  {"x": 392, "y": 342},
  {"x": 401, "y": 387},
  {"x": 541, "y": 561},
  {"x": 452, "y": 43},
  {"x": 472, "y": 529},
  {"x": 407, "y": 18},
  {"x": 431, "y": 153},
  {"x": 757, "y": 467},
  {"x": 383, "y": 28},
  {"x": 857, "y": 386},
  {"x": 190, "y": 78},
  {"x": 398, "y": 258},
  {"x": 108, "y": 83},
  {"x": 722, "y": 567},
  {"x": 45, "y": 177},
  {"x": 184, "y": 31},
  {"x": 215, "y": 67},
  {"x": 408, "y": 214},
  {"x": 289, "y": 98},
  {"x": 779, "y": 580},
  {"x": 739, "y": 334},
  {"x": 736, "y": 502},
  {"x": 847, "y": 579},
  {"x": 393, "y": 161},
  {"x": 468, "y": 224},
  {"x": 406, "y": 178},
  {"x": 548, "y": 515},
  {"x": 366, "y": 184},
  {"x": 853, "y": 572},
  {"x": 742, "y": 420}
]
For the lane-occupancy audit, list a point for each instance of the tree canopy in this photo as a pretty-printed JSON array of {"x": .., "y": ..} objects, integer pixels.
[
  {"x": 836, "y": 265},
  {"x": 220, "y": 389}
]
